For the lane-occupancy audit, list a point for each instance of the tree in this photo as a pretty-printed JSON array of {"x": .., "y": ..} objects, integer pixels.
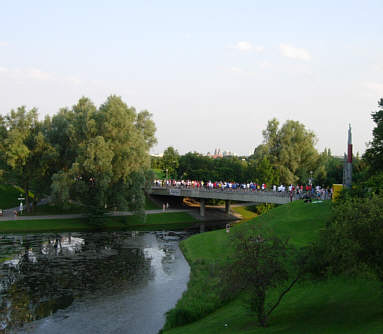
[
  {"x": 351, "y": 240},
  {"x": 109, "y": 155},
  {"x": 290, "y": 150},
  {"x": 27, "y": 152},
  {"x": 329, "y": 170},
  {"x": 170, "y": 162},
  {"x": 261, "y": 171},
  {"x": 374, "y": 154},
  {"x": 3, "y": 136},
  {"x": 261, "y": 262}
]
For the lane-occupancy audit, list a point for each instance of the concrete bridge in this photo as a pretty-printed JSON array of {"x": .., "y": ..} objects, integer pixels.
[{"x": 227, "y": 195}]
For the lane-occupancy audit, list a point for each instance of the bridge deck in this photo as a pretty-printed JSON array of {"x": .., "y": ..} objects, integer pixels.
[{"x": 232, "y": 195}]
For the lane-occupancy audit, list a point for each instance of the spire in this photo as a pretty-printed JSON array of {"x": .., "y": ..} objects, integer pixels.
[
  {"x": 347, "y": 169},
  {"x": 349, "y": 135},
  {"x": 349, "y": 148}
]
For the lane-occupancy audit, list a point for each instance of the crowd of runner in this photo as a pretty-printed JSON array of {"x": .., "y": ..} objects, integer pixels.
[{"x": 300, "y": 190}]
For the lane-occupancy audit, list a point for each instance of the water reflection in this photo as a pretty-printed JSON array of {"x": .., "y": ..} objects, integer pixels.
[{"x": 40, "y": 274}]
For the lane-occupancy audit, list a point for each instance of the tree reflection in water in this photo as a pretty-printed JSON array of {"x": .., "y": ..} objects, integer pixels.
[{"x": 43, "y": 273}]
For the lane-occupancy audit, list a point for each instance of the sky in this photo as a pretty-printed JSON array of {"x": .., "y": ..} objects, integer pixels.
[{"x": 212, "y": 73}]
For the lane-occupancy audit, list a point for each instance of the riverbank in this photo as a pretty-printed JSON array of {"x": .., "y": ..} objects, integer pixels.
[
  {"x": 155, "y": 221},
  {"x": 338, "y": 305}
]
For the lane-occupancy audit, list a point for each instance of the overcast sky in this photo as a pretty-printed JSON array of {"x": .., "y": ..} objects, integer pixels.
[{"x": 212, "y": 73}]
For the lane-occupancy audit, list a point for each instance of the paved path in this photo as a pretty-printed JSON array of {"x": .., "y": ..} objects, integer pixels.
[{"x": 10, "y": 217}]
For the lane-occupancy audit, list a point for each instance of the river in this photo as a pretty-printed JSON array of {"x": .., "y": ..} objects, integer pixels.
[{"x": 107, "y": 282}]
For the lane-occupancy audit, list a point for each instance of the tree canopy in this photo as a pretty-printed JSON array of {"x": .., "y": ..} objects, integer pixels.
[
  {"x": 290, "y": 149},
  {"x": 109, "y": 150},
  {"x": 374, "y": 154},
  {"x": 96, "y": 156}
]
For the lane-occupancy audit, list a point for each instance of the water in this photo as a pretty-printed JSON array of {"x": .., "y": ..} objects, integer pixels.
[{"x": 118, "y": 282}]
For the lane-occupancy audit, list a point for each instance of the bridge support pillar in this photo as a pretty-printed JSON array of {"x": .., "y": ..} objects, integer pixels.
[
  {"x": 202, "y": 207},
  {"x": 201, "y": 227},
  {"x": 227, "y": 207}
]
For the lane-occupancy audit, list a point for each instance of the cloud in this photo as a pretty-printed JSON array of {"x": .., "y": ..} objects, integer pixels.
[
  {"x": 36, "y": 74},
  {"x": 265, "y": 64},
  {"x": 290, "y": 51},
  {"x": 378, "y": 67},
  {"x": 243, "y": 72},
  {"x": 236, "y": 69},
  {"x": 245, "y": 46},
  {"x": 375, "y": 87}
]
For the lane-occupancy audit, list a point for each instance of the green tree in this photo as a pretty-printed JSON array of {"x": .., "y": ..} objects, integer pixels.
[
  {"x": 352, "y": 239},
  {"x": 27, "y": 152},
  {"x": 261, "y": 262},
  {"x": 109, "y": 155},
  {"x": 3, "y": 136},
  {"x": 374, "y": 154},
  {"x": 170, "y": 162},
  {"x": 261, "y": 171},
  {"x": 329, "y": 170},
  {"x": 290, "y": 150}
]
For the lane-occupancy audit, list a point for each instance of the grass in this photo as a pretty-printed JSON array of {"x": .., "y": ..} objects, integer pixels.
[
  {"x": 51, "y": 209},
  {"x": 338, "y": 305},
  {"x": 244, "y": 212},
  {"x": 167, "y": 221}
]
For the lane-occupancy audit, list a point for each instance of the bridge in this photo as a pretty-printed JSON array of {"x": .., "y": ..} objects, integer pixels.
[{"x": 227, "y": 195}]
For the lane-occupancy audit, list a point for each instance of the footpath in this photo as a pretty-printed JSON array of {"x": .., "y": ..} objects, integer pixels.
[{"x": 9, "y": 215}]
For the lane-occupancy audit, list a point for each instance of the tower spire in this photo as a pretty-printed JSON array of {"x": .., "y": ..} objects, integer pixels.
[{"x": 348, "y": 161}]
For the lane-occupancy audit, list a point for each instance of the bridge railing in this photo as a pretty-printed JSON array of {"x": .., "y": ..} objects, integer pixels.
[
  {"x": 228, "y": 190},
  {"x": 294, "y": 195}
]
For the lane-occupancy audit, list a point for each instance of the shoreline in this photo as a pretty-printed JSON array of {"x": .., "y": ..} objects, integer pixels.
[
  {"x": 174, "y": 219},
  {"x": 153, "y": 221}
]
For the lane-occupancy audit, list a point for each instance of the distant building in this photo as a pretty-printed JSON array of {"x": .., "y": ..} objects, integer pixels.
[{"x": 220, "y": 154}]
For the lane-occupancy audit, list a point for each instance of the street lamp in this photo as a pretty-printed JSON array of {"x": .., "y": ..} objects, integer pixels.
[
  {"x": 21, "y": 198},
  {"x": 311, "y": 178}
]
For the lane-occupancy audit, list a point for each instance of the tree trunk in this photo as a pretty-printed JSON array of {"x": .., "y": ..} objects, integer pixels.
[
  {"x": 26, "y": 189},
  {"x": 260, "y": 306}
]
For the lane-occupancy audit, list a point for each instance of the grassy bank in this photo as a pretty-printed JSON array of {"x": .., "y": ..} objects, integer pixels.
[
  {"x": 160, "y": 221},
  {"x": 339, "y": 305},
  {"x": 52, "y": 209},
  {"x": 245, "y": 213}
]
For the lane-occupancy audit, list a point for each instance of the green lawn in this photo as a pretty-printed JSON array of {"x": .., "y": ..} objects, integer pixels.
[
  {"x": 167, "y": 221},
  {"x": 51, "y": 209},
  {"x": 339, "y": 305},
  {"x": 244, "y": 212},
  {"x": 350, "y": 306}
]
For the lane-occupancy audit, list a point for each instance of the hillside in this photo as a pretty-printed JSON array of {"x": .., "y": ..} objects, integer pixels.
[{"x": 338, "y": 305}]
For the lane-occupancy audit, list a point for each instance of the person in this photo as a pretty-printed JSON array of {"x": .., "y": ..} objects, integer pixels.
[
  {"x": 163, "y": 207},
  {"x": 167, "y": 206}
]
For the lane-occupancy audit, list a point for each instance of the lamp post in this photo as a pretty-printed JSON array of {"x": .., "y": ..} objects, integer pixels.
[
  {"x": 21, "y": 203},
  {"x": 311, "y": 178}
]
